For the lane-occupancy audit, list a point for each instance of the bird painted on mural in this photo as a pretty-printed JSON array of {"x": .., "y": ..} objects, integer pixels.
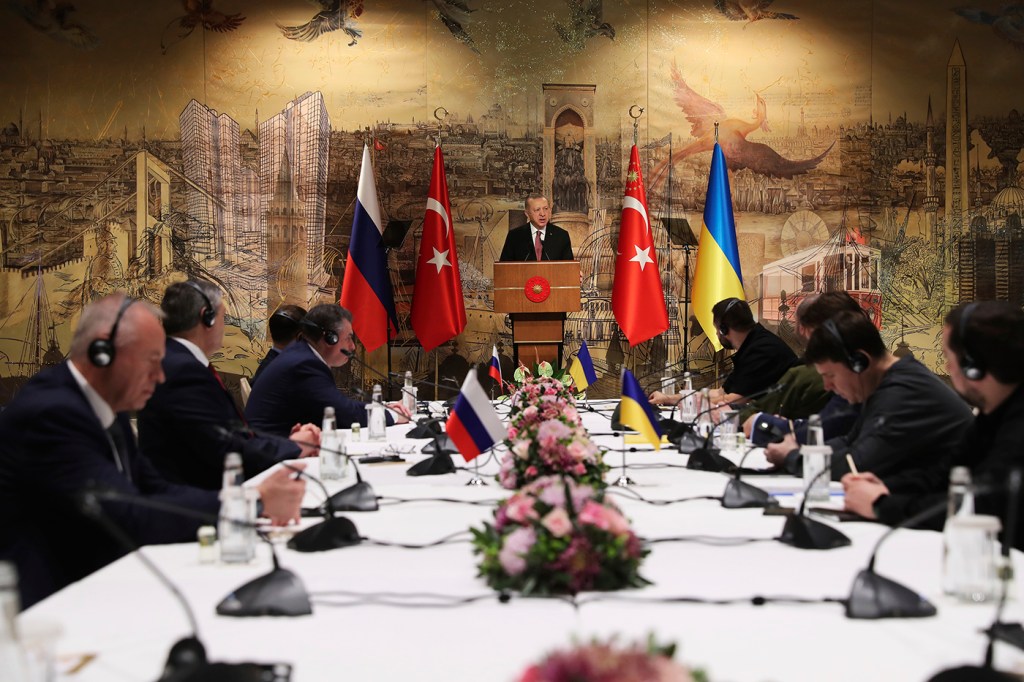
[
  {"x": 586, "y": 20},
  {"x": 334, "y": 15},
  {"x": 740, "y": 153},
  {"x": 54, "y": 20},
  {"x": 1008, "y": 23},
  {"x": 456, "y": 16},
  {"x": 749, "y": 10},
  {"x": 199, "y": 13}
]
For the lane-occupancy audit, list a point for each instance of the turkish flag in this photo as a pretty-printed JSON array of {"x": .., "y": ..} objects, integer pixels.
[
  {"x": 637, "y": 297},
  {"x": 438, "y": 311}
]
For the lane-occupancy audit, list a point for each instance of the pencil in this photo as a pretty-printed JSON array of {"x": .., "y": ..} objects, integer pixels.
[{"x": 853, "y": 467}]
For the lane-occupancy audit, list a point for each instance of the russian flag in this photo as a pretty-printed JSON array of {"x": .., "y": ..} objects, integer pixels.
[
  {"x": 495, "y": 369},
  {"x": 635, "y": 410},
  {"x": 366, "y": 289},
  {"x": 473, "y": 424}
]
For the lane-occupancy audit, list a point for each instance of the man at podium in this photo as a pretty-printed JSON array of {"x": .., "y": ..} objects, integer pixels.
[{"x": 537, "y": 240}]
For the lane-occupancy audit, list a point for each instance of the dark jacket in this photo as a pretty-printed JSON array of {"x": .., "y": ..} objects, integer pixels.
[
  {"x": 191, "y": 423},
  {"x": 519, "y": 244},
  {"x": 52, "y": 446},
  {"x": 267, "y": 359},
  {"x": 760, "y": 362}
]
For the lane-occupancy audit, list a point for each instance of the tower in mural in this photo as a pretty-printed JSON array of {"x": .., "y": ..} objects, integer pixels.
[
  {"x": 301, "y": 134},
  {"x": 287, "y": 243},
  {"x": 931, "y": 197},
  {"x": 211, "y": 159},
  {"x": 958, "y": 133},
  {"x": 570, "y": 151}
]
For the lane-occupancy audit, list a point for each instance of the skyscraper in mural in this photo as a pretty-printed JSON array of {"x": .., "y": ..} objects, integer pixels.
[
  {"x": 211, "y": 158},
  {"x": 302, "y": 132},
  {"x": 287, "y": 243}
]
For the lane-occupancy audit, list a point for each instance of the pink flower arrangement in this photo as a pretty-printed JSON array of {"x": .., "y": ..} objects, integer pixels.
[
  {"x": 557, "y": 446},
  {"x": 606, "y": 662},
  {"x": 558, "y": 536}
]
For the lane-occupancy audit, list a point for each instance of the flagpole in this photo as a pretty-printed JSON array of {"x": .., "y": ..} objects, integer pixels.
[{"x": 632, "y": 349}]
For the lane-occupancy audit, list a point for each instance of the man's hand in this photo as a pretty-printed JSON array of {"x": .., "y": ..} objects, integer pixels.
[
  {"x": 282, "y": 495},
  {"x": 402, "y": 415},
  {"x": 776, "y": 452},
  {"x": 307, "y": 437},
  {"x": 659, "y": 398},
  {"x": 748, "y": 425},
  {"x": 861, "y": 491}
]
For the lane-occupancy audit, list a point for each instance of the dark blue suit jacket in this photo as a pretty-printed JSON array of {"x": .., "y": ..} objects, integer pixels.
[
  {"x": 557, "y": 244},
  {"x": 51, "y": 446},
  {"x": 267, "y": 359},
  {"x": 191, "y": 423},
  {"x": 295, "y": 389}
]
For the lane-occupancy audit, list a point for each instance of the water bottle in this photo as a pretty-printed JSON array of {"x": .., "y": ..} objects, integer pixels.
[
  {"x": 237, "y": 515},
  {"x": 13, "y": 662},
  {"x": 376, "y": 419},
  {"x": 329, "y": 460},
  {"x": 409, "y": 394},
  {"x": 688, "y": 405},
  {"x": 959, "y": 505},
  {"x": 705, "y": 425},
  {"x": 817, "y": 462}
]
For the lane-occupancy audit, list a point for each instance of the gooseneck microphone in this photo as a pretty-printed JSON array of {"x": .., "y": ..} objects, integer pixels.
[
  {"x": 739, "y": 494},
  {"x": 803, "y": 532}
]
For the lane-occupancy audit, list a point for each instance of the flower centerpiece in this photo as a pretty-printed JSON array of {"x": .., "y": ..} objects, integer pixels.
[
  {"x": 531, "y": 389},
  {"x": 608, "y": 662},
  {"x": 557, "y": 536},
  {"x": 542, "y": 444}
]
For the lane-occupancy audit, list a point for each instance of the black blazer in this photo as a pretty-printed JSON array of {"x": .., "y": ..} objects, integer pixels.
[
  {"x": 51, "y": 447},
  {"x": 519, "y": 244},
  {"x": 191, "y": 423},
  {"x": 294, "y": 389},
  {"x": 267, "y": 359}
]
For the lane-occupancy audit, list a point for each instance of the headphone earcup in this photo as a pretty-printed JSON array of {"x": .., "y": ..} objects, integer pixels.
[
  {"x": 723, "y": 330},
  {"x": 208, "y": 317},
  {"x": 330, "y": 337},
  {"x": 858, "y": 362},
  {"x": 970, "y": 368},
  {"x": 101, "y": 352}
]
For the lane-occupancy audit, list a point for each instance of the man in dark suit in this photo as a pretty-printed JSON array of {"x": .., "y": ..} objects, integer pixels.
[
  {"x": 284, "y": 327},
  {"x": 299, "y": 384},
  {"x": 192, "y": 422},
  {"x": 537, "y": 240},
  {"x": 67, "y": 430}
]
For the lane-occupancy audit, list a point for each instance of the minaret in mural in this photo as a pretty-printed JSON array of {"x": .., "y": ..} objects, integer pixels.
[
  {"x": 958, "y": 135},
  {"x": 931, "y": 198},
  {"x": 287, "y": 244}
]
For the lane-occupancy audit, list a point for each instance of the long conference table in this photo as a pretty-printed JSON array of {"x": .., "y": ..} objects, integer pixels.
[{"x": 385, "y": 613}]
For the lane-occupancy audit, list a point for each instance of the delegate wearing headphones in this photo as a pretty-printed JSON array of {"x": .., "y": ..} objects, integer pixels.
[
  {"x": 910, "y": 421},
  {"x": 761, "y": 357},
  {"x": 983, "y": 343}
]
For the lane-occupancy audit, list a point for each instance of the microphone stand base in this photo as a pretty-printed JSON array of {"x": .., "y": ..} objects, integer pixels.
[
  {"x": 1010, "y": 633},
  {"x": 278, "y": 593},
  {"x": 741, "y": 495},
  {"x": 874, "y": 596},
  {"x": 476, "y": 482},
  {"x": 624, "y": 481},
  {"x": 806, "y": 533}
]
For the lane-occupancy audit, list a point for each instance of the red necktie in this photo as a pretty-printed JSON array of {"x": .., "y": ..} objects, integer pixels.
[
  {"x": 216, "y": 375},
  {"x": 538, "y": 244}
]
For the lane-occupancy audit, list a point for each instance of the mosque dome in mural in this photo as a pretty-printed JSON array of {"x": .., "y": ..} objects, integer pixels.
[{"x": 1009, "y": 200}]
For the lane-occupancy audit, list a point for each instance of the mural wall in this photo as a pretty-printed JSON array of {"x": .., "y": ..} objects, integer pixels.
[{"x": 873, "y": 146}]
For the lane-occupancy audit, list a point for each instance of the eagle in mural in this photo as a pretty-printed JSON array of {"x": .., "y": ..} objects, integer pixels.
[
  {"x": 1008, "y": 22},
  {"x": 455, "y": 15},
  {"x": 749, "y": 10},
  {"x": 53, "y": 19},
  {"x": 586, "y": 20},
  {"x": 333, "y": 15},
  {"x": 702, "y": 114},
  {"x": 200, "y": 13}
]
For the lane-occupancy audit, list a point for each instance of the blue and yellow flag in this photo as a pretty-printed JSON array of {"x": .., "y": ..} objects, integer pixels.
[
  {"x": 635, "y": 410},
  {"x": 718, "y": 275},
  {"x": 582, "y": 368}
]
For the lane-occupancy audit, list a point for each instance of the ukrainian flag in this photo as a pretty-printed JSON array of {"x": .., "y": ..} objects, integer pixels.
[
  {"x": 582, "y": 368},
  {"x": 718, "y": 275},
  {"x": 635, "y": 410}
]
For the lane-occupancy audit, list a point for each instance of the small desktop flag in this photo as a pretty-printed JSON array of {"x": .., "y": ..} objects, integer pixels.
[
  {"x": 635, "y": 410},
  {"x": 495, "y": 368},
  {"x": 473, "y": 424},
  {"x": 582, "y": 368}
]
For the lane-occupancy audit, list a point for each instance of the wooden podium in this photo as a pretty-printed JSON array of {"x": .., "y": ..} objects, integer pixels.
[{"x": 537, "y": 295}]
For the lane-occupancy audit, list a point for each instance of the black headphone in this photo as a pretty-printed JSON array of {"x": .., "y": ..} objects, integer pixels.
[
  {"x": 723, "y": 328},
  {"x": 208, "y": 314},
  {"x": 971, "y": 368},
  {"x": 329, "y": 336},
  {"x": 856, "y": 360},
  {"x": 286, "y": 315},
  {"x": 101, "y": 351}
]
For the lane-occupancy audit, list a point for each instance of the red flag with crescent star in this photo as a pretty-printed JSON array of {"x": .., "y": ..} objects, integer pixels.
[
  {"x": 638, "y": 300},
  {"x": 438, "y": 311}
]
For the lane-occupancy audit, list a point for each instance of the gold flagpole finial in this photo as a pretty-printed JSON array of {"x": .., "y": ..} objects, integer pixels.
[
  {"x": 716, "y": 132},
  {"x": 636, "y": 119},
  {"x": 440, "y": 122}
]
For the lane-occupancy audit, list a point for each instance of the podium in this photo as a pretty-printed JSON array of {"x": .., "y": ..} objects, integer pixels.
[{"x": 537, "y": 295}]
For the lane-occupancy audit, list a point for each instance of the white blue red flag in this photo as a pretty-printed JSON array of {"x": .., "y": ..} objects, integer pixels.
[
  {"x": 473, "y": 425},
  {"x": 366, "y": 289},
  {"x": 495, "y": 368}
]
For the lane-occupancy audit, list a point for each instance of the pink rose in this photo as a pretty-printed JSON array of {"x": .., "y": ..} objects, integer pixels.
[
  {"x": 593, "y": 514},
  {"x": 558, "y": 522},
  {"x": 521, "y": 449},
  {"x": 520, "y": 509},
  {"x": 517, "y": 544}
]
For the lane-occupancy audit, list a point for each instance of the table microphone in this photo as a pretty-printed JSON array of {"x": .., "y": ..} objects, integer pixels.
[
  {"x": 440, "y": 461},
  {"x": 741, "y": 495},
  {"x": 803, "y": 532},
  {"x": 333, "y": 532},
  {"x": 278, "y": 593},
  {"x": 704, "y": 457}
]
